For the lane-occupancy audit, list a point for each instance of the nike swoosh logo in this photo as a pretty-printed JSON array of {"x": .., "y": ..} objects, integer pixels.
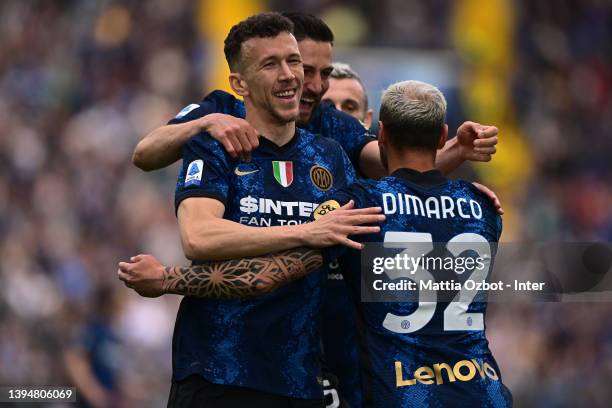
[{"x": 244, "y": 173}]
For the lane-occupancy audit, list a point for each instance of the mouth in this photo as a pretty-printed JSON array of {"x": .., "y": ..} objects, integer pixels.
[
  {"x": 308, "y": 101},
  {"x": 286, "y": 94}
]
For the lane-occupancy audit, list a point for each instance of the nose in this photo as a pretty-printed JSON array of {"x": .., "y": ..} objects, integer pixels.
[
  {"x": 285, "y": 72},
  {"x": 314, "y": 84}
]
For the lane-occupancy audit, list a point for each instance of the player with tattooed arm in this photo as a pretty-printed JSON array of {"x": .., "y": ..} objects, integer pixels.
[{"x": 262, "y": 351}]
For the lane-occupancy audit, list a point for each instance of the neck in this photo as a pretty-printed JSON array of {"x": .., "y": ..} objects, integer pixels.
[
  {"x": 267, "y": 125},
  {"x": 412, "y": 159}
]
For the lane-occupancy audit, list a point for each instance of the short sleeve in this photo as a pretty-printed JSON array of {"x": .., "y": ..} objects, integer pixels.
[
  {"x": 215, "y": 102},
  {"x": 499, "y": 226},
  {"x": 205, "y": 171},
  {"x": 346, "y": 130}
]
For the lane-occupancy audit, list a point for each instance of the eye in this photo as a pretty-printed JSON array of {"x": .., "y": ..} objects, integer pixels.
[
  {"x": 308, "y": 70},
  {"x": 349, "y": 107},
  {"x": 326, "y": 73}
]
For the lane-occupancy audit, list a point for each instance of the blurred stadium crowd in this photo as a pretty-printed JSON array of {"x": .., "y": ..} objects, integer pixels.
[{"x": 82, "y": 81}]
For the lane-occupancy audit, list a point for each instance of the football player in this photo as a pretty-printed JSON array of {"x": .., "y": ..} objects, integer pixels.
[{"x": 262, "y": 351}]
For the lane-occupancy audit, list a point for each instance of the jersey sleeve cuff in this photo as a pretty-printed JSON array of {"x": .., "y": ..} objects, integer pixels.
[
  {"x": 358, "y": 150},
  {"x": 178, "y": 198}
]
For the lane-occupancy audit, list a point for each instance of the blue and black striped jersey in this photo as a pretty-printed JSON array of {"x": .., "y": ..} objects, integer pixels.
[
  {"x": 338, "y": 331},
  {"x": 426, "y": 353},
  {"x": 271, "y": 343}
]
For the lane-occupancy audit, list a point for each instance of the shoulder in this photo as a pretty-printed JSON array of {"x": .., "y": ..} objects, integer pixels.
[
  {"x": 224, "y": 102},
  {"x": 363, "y": 191},
  {"x": 220, "y": 96},
  {"x": 318, "y": 140},
  {"x": 204, "y": 144},
  {"x": 489, "y": 213},
  {"x": 476, "y": 195},
  {"x": 336, "y": 117}
]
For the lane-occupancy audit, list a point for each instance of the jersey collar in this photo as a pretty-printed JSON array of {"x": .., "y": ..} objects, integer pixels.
[
  {"x": 426, "y": 178},
  {"x": 274, "y": 149}
]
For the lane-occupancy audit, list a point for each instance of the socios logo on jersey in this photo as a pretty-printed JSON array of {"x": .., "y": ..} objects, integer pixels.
[
  {"x": 464, "y": 370},
  {"x": 326, "y": 207},
  {"x": 321, "y": 177},
  {"x": 283, "y": 172},
  {"x": 194, "y": 173}
]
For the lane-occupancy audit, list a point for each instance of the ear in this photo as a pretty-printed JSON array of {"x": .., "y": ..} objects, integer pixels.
[
  {"x": 367, "y": 121},
  {"x": 443, "y": 137},
  {"x": 238, "y": 84},
  {"x": 382, "y": 135}
]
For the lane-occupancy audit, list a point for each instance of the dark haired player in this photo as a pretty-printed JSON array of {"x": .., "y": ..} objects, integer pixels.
[
  {"x": 264, "y": 351},
  {"x": 415, "y": 354}
]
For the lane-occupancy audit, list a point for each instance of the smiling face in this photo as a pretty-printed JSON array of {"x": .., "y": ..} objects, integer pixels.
[
  {"x": 272, "y": 76},
  {"x": 317, "y": 57}
]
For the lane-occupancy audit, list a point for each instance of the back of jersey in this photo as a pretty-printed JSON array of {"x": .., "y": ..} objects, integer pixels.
[{"x": 432, "y": 352}]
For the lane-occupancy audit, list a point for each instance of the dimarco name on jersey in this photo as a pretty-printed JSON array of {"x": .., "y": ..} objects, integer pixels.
[{"x": 433, "y": 207}]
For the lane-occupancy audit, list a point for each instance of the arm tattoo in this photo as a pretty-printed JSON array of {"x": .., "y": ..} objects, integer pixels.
[{"x": 239, "y": 278}]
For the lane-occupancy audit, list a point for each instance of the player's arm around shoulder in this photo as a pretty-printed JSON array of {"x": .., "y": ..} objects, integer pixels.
[{"x": 162, "y": 146}]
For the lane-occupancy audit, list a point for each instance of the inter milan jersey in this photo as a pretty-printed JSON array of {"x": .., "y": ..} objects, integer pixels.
[
  {"x": 339, "y": 335},
  {"x": 428, "y": 354},
  {"x": 270, "y": 343}
]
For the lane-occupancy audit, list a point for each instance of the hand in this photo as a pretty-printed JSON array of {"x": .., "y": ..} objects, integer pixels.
[
  {"x": 491, "y": 195},
  {"x": 145, "y": 274},
  {"x": 334, "y": 228},
  {"x": 477, "y": 142},
  {"x": 237, "y": 135}
]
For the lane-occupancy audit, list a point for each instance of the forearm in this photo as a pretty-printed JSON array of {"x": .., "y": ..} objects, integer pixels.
[
  {"x": 449, "y": 157},
  {"x": 163, "y": 146},
  {"x": 220, "y": 239},
  {"x": 370, "y": 162},
  {"x": 241, "y": 278}
]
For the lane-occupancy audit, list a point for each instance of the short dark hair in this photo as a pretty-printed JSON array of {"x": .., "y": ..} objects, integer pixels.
[
  {"x": 263, "y": 25},
  {"x": 413, "y": 114},
  {"x": 309, "y": 26}
]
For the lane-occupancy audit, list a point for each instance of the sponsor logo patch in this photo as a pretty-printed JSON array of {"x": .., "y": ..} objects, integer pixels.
[
  {"x": 324, "y": 208},
  {"x": 239, "y": 172},
  {"x": 194, "y": 172},
  {"x": 321, "y": 178},
  {"x": 187, "y": 109}
]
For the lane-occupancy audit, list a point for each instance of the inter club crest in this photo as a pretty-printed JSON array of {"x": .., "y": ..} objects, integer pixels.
[
  {"x": 283, "y": 172},
  {"x": 321, "y": 177}
]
